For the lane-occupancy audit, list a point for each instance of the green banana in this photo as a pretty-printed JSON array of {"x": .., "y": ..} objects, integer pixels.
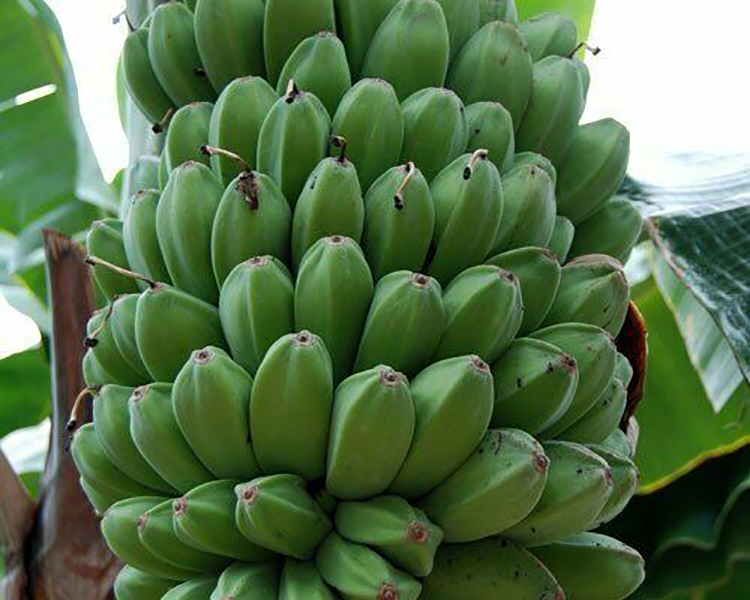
[
  {"x": 371, "y": 431},
  {"x": 533, "y": 158},
  {"x": 169, "y": 319},
  {"x": 373, "y": 145},
  {"x": 330, "y": 204},
  {"x": 625, "y": 481},
  {"x": 578, "y": 487},
  {"x": 411, "y": 48},
  {"x": 619, "y": 442},
  {"x": 489, "y": 569},
  {"x": 187, "y": 134},
  {"x": 619, "y": 569},
  {"x": 229, "y": 38},
  {"x": 290, "y": 407},
  {"x": 601, "y": 419},
  {"x": 468, "y": 198},
  {"x": 494, "y": 66},
  {"x": 301, "y": 581},
  {"x": 211, "y": 397},
  {"x": 112, "y": 428},
  {"x": 400, "y": 533},
  {"x": 535, "y": 383},
  {"x": 614, "y": 229},
  {"x": 538, "y": 272},
  {"x": 199, "y": 588},
  {"x": 358, "y": 21},
  {"x": 140, "y": 238},
  {"x": 140, "y": 80},
  {"x": 404, "y": 324},
  {"x": 355, "y": 571},
  {"x": 163, "y": 174},
  {"x": 93, "y": 373},
  {"x": 256, "y": 308},
  {"x": 132, "y": 584},
  {"x": 253, "y": 219},
  {"x": 624, "y": 370},
  {"x": 484, "y": 311},
  {"x": 585, "y": 74},
  {"x": 555, "y": 107},
  {"x": 497, "y": 10},
  {"x": 563, "y": 234},
  {"x": 453, "y": 402},
  {"x": 593, "y": 289},
  {"x": 331, "y": 298},
  {"x": 104, "y": 240},
  {"x": 550, "y": 34},
  {"x": 260, "y": 582},
  {"x": 287, "y": 23},
  {"x": 491, "y": 127},
  {"x": 158, "y": 437},
  {"x": 427, "y": 146},
  {"x": 594, "y": 351},
  {"x": 205, "y": 519},
  {"x": 318, "y": 65},
  {"x": 122, "y": 324},
  {"x": 399, "y": 221},
  {"x": 277, "y": 512},
  {"x": 101, "y": 342},
  {"x": 462, "y": 17},
  {"x": 593, "y": 169},
  {"x": 293, "y": 137},
  {"x": 141, "y": 174},
  {"x": 100, "y": 500},
  {"x": 497, "y": 486},
  {"x": 157, "y": 535},
  {"x": 136, "y": 12},
  {"x": 184, "y": 218},
  {"x": 236, "y": 121},
  {"x": 174, "y": 55},
  {"x": 530, "y": 208}
]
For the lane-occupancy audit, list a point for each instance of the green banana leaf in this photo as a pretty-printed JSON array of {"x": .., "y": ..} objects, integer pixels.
[
  {"x": 581, "y": 11},
  {"x": 24, "y": 389}
]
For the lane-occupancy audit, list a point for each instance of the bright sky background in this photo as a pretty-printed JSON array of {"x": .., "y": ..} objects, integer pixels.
[{"x": 674, "y": 71}]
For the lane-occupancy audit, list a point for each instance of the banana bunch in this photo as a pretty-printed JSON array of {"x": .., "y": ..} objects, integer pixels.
[{"x": 360, "y": 333}]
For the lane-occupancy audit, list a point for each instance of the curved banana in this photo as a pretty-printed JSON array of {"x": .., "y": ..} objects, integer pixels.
[
  {"x": 199, "y": 588},
  {"x": 491, "y": 127},
  {"x": 462, "y": 17},
  {"x": 122, "y": 324},
  {"x": 497, "y": 10},
  {"x": 132, "y": 584},
  {"x": 625, "y": 481},
  {"x": 301, "y": 581},
  {"x": 187, "y": 134},
  {"x": 261, "y": 582},
  {"x": 602, "y": 419},
  {"x": 539, "y": 161},
  {"x": 358, "y": 21},
  {"x": 550, "y": 34},
  {"x": 614, "y": 229},
  {"x": 561, "y": 242},
  {"x": 140, "y": 238},
  {"x": 104, "y": 240}
]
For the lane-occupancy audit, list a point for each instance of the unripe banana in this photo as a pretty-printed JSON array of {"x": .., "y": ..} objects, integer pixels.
[
  {"x": 373, "y": 145},
  {"x": 277, "y": 512},
  {"x": 184, "y": 218},
  {"x": 593, "y": 169},
  {"x": 404, "y": 324},
  {"x": 550, "y": 34},
  {"x": 468, "y": 197},
  {"x": 187, "y": 134},
  {"x": 122, "y": 323},
  {"x": 236, "y": 121},
  {"x": 104, "y": 240},
  {"x": 399, "y": 221},
  {"x": 331, "y": 298},
  {"x": 495, "y": 488},
  {"x": 497, "y": 10},
  {"x": 601, "y": 419},
  {"x": 411, "y": 48},
  {"x": 533, "y": 158},
  {"x": 358, "y": 21},
  {"x": 555, "y": 107},
  {"x": 158, "y": 437},
  {"x": 301, "y": 581},
  {"x": 174, "y": 55},
  {"x": 132, "y": 584},
  {"x": 256, "y": 308},
  {"x": 141, "y": 174},
  {"x": 619, "y": 568},
  {"x": 535, "y": 383},
  {"x": 489, "y": 569},
  {"x": 211, "y": 398},
  {"x": 101, "y": 341},
  {"x": 318, "y": 65},
  {"x": 491, "y": 127},
  {"x": 624, "y": 370},
  {"x": 260, "y": 582},
  {"x": 614, "y": 229},
  {"x": 494, "y": 66},
  {"x": 140, "y": 80},
  {"x": 585, "y": 74},
  {"x": 205, "y": 519},
  {"x": 594, "y": 351},
  {"x": 199, "y": 588},
  {"x": 100, "y": 500},
  {"x": 93, "y": 373},
  {"x": 253, "y": 219},
  {"x": 371, "y": 431},
  {"x": 355, "y": 571},
  {"x": 140, "y": 238},
  {"x": 529, "y": 213},
  {"x": 400, "y": 533},
  {"x": 229, "y": 38},
  {"x": 453, "y": 402},
  {"x": 462, "y": 17},
  {"x": 619, "y": 442},
  {"x": 562, "y": 238},
  {"x": 163, "y": 173},
  {"x": 625, "y": 481},
  {"x": 538, "y": 272},
  {"x": 432, "y": 148},
  {"x": 287, "y": 23},
  {"x": 169, "y": 325},
  {"x": 594, "y": 290},
  {"x": 330, "y": 204},
  {"x": 484, "y": 311},
  {"x": 294, "y": 136},
  {"x": 578, "y": 487},
  {"x": 290, "y": 409}
]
